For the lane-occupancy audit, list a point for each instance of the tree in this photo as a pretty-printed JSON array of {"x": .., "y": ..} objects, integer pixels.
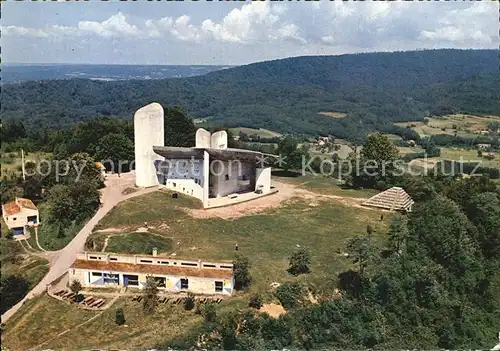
[
  {"x": 289, "y": 294},
  {"x": 209, "y": 312},
  {"x": 362, "y": 251},
  {"x": 116, "y": 151},
  {"x": 299, "y": 262},
  {"x": 290, "y": 154},
  {"x": 179, "y": 129},
  {"x": 484, "y": 211},
  {"x": 150, "y": 295},
  {"x": 377, "y": 163},
  {"x": 241, "y": 273},
  {"x": 75, "y": 287},
  {"x": 120, "y": 316},
  {"x": 14, "y": 252},
  {"x": 13, "y": 288},
  {"x": 398, "y": 234},
  {"x": 255, "y": 301},
  {"x": 189, "y": 301}
]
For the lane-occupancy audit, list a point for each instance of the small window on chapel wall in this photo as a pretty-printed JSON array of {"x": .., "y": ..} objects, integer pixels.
[{"x": 227, "y": 176}]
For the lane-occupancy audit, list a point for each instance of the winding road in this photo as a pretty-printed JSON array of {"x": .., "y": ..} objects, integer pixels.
[{"x": 61, "y": 260}]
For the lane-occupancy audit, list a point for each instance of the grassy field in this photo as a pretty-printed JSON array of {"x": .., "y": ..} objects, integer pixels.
[
  {"x": 324, "y": 185},
  {"x": 409, "y": 150},
  {"x": 11, "y": 161},
  {"x": 48, "y": 234},
  {"x": 267, "y": 239},
  {"x": 457, "y": 154},
  {"x": 132, "y": 243},
  {"x": 333, "y": 114},
  {"x": 467, "y": 126},
  {"x": 263, "y": 133},
  {"x": 31, "y": 267},
  {"x": 43, "y": 318}
]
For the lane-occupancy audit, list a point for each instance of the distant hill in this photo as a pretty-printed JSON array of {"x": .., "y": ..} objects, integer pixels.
[
  {"x": 24, "y": 72},
  {"x": 373, "y": 90}
]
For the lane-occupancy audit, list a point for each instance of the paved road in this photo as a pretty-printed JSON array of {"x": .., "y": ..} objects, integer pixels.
[{"x": 62, "y": 259}]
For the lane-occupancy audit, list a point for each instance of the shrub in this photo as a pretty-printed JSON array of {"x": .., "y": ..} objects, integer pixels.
[
  {"x": 120, "y": 316},
  {"x": 255, "y": 301},
  {"x": 150, "y": 294},
  {"x": 299, "y": 262},
  {"x": 189, "y": 302},
  {"x": 209, "y": 312},
  {"x": 241, "y": 267},
  {"x": 75, "y": 287},
  {"x": 289, "y": 294}
]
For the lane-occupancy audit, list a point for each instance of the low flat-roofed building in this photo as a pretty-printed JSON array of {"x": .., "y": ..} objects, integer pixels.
[
  {"x": 20, "y": 213},
  {"x": 172, "y": 275}
]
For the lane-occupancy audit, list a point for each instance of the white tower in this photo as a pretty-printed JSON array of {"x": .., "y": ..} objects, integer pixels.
[{"x": 148, "y": 132}]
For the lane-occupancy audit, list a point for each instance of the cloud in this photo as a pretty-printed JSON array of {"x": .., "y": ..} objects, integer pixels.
[
  {"x": 265, "y": 30},
  {"x": 115, "y": 26},
  {"x": 179, "y": 28},
  {"x": 248, "y": 24}
]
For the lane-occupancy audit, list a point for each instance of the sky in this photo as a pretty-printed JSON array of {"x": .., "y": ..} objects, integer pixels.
[{"x": 236, "y": 32}]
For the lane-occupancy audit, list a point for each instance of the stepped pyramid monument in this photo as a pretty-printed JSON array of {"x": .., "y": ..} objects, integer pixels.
[{"x": 393, "y": 199}]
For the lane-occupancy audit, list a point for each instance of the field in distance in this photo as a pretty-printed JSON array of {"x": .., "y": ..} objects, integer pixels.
[
  {"x": 261, "y": 132},
  {"x": 333, "y": 114},
  {"x": 467, "y": 126}
]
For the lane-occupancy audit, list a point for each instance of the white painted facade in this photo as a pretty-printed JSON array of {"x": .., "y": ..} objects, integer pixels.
[
  {"x": 148, "y": 131},
  {"x": 186, "y": 176},
  {"x": 16, "y": 215},
  {"x": 263, "y": 181},
  {"x": 172, "y": 275}
]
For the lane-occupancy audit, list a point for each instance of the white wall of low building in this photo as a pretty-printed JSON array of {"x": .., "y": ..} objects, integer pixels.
[
  {"x": 20, "y": 219},
  {"x": 197, "y": 285},
  {"x": 148, "y": 132},
  {"x": 228, "y": 177}
]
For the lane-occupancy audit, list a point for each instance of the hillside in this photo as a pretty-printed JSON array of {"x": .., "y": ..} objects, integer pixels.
[{"x": 285, "y": 95}]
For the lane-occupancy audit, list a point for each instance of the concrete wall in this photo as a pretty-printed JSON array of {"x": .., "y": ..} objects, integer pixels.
[
  {"x": 20, "y": 219},
  {"x": 263, "y": 180},
  {"x": 218, "y": 140},
  {"x": 148, "y": 132},
  {"x": 186, "y": 176},
  {"x": 203, "y": 138},
  {"x": 229, "y": 177}
]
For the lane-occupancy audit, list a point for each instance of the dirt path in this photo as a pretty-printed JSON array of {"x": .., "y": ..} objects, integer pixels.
[
  {"x": 37, "y": 242},
  {"x": 61, "y": 260},
  {"x": 105, "y": 244},
  {"x": 285, "y": 193}
]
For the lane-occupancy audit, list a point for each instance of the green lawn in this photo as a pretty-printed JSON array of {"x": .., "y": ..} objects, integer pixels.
[
  {"x": 11, "y": 161},
  {"x": 457, "y": 154},
  {"x": 267, "y": 239},
  {"x": 263, "y": 133},
  {"x": 31, "y": 267},
  {"x": 41, "y": 319},
  {"x": 466, "y": 126},
  {"x": 324, "y": 185},
  {"x": 139, "y": 243}
]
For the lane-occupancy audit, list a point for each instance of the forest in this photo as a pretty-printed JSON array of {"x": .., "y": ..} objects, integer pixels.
[{"x": 285, "y": 96}]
